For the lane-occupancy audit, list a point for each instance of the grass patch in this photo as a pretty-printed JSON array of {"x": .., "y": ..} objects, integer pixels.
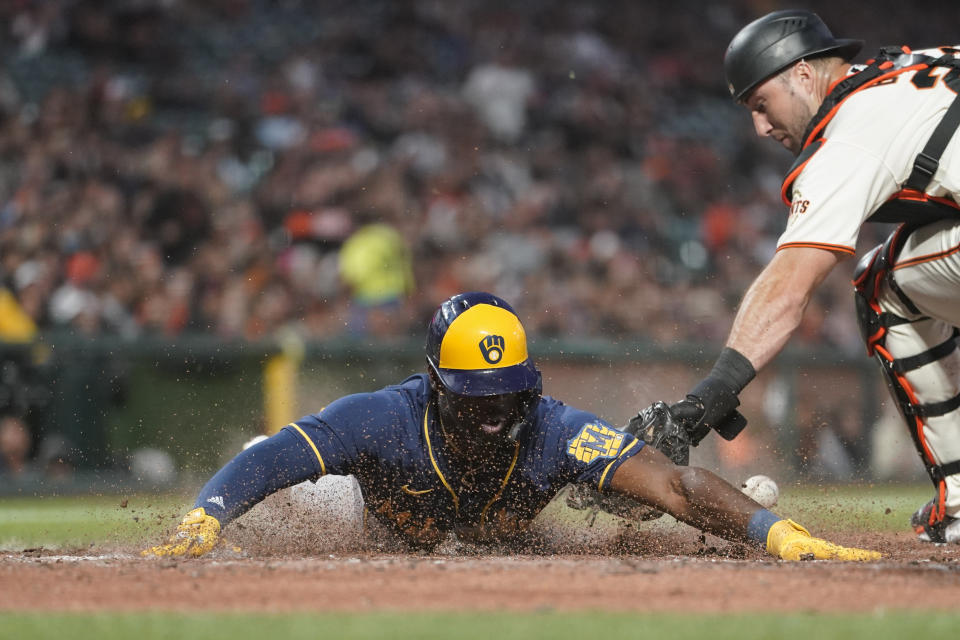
[
  {"x": 866, "y": 507},
  {"x": 80, "y": 521},
  {"x": 503, "y": 626}
]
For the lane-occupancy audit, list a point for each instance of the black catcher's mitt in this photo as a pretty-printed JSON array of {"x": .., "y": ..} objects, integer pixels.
[{"x": 659, "y": 427}]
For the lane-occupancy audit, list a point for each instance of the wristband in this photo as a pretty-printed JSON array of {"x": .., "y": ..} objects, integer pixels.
[
  {"x": 716, "y": 396},
  {"x": 733, "y": 368},
  {"x": 717, "y": 399},
  {"x": 759, "y": 526}
]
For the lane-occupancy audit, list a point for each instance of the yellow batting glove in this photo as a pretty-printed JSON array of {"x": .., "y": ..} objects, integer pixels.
[
  {"x": 197, "y": 534},
  {"x": 789, "y": 541}
]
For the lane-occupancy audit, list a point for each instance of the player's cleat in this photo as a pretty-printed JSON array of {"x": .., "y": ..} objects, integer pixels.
[
  {"x": 789, "y": 541},
  {"x": 197, "y": 534},
  {"x": 929, "y": 529}
]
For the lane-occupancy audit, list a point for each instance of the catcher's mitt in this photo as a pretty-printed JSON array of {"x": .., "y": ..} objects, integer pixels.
[{"x": 658, "y": 426}]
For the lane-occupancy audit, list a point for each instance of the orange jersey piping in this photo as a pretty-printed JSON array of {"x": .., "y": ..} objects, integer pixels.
[
  {"x": 840, "y": 248},
  {"x": 930, "y": 257}
]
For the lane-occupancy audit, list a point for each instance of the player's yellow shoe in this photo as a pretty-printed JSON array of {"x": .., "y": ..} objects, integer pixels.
[
  {"x": 196, "y": 534},
  {"x": 789, "y": 541}
]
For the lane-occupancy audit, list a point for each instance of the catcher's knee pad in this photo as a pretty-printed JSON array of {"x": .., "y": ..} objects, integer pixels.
[{"x": 920, "y": 362}]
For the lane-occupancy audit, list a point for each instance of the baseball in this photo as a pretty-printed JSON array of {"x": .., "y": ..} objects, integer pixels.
[{"x": 762, "y": 489}]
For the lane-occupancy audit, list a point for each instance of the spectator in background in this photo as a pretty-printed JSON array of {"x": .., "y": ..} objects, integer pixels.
[
  {"x": 75, "y": 303},
  {"x": 375, "y": 264},
  {"x": 563, "y": 154},
  {"x": 15, "y": 324},
  {"x": 14, "y": 447},
  {"x": 499, "y": 94}
]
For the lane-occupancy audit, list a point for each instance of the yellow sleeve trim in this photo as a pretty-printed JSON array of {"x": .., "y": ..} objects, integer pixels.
[
  {"x": 603, "y": 477},
  {"x": 323, "y": 467}
]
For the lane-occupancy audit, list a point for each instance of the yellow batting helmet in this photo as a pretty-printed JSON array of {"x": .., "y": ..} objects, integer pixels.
[{"x": 477, "y": 346}]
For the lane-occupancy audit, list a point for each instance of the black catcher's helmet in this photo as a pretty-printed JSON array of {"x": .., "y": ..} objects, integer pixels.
[{"x": 775, "y": 41}]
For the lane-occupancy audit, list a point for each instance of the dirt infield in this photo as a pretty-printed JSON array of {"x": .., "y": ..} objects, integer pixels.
[{"x": 691, "y": 575}]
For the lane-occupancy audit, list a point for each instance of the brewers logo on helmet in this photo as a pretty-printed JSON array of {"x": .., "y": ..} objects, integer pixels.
[{"x": 477, "y": 346}]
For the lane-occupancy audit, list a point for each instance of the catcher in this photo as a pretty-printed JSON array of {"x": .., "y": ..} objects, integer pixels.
[
  {"x": 472, "y": 448},
  {"x": 875, "y": 142}
]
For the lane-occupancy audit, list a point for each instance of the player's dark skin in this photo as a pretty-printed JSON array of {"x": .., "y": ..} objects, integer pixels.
[
  {"x": 476, "y": 430},
  {"x": 693, "y": 495}
]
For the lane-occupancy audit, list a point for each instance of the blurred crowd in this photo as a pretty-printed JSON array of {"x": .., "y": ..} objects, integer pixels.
[
  {"x": 236, "y": 167},
  {"x": 244, "y": 167}
]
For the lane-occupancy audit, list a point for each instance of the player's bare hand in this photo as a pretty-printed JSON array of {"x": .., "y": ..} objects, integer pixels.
[
  {"x": 789, "y": 541},
  {"x": 197, "y": 534}
]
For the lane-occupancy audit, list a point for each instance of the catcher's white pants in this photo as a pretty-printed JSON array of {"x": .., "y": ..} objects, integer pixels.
[{"x": 927, "y": 270}]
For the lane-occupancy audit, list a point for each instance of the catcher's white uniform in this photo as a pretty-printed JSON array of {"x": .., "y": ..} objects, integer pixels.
[
  {"x": 869, "y": 149},
  {"x": 866, "y": 155}
]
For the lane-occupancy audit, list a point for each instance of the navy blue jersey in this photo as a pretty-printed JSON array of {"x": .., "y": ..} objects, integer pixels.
[{"x": 391, "y": 441}]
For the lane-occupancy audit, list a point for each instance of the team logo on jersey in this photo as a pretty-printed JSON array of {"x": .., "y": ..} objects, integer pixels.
[
  {"x": 491, "y": 347},
  {"x": 595, "y": 441},
  {"x": 799, "y": 205}
]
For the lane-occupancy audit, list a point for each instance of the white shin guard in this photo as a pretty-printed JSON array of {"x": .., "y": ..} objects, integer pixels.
[
  {"x": 907, "y": 306},
  {"x": 933, "y": 392}
]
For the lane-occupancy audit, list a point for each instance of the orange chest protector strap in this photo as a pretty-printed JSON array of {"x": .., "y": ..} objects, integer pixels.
[{"x": 910, "y": 203}]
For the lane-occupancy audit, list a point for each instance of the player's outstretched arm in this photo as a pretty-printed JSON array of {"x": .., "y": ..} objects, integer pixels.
[
  {"x": 770, "y": 311},
  {"x": 702, "y": 499},
  {"x": 276, "y": 463}
]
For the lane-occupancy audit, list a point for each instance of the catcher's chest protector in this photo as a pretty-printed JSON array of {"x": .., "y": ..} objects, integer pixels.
[
  {"x": 911, "y": 204},
  {"x": 920, "y": 360}
]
